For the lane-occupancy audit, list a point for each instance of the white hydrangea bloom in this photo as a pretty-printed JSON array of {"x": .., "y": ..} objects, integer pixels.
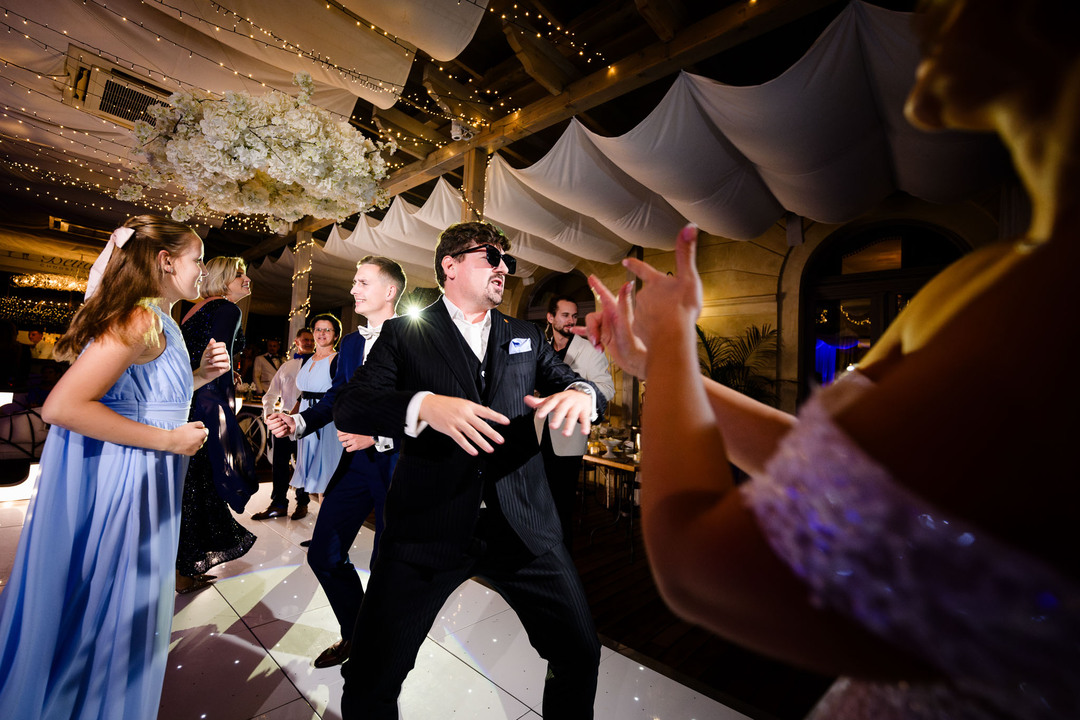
[{"x": 272, "y": 155}]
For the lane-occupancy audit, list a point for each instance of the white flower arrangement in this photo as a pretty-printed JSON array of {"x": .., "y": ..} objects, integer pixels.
[{"x": 272, "y": 155}]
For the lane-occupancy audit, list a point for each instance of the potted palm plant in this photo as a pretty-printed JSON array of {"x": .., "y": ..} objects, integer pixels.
[{"x": 740, "y": 362}]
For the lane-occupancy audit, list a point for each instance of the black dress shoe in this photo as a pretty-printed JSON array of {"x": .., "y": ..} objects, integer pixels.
[
  {"x": 299, "y": 512},
  {"x": 270, "y": 512},
  {"x": 334, "y": 655}
]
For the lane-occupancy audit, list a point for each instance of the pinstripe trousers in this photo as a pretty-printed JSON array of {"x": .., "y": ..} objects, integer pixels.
[{"x": 403, "y": 600}]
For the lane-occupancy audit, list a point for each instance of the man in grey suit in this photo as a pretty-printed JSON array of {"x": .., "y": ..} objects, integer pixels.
[
  {"x": 562, "y": 454},
  {"x": 468, "y": 497}
]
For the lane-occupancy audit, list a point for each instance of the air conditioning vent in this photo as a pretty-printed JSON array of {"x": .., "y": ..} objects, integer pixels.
[
  {"x": 61, "y": 225},
  {"x": 102, "y": 88}
]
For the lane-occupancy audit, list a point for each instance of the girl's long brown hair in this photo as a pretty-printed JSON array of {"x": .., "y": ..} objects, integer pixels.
[{"x": 132, "y": 277}]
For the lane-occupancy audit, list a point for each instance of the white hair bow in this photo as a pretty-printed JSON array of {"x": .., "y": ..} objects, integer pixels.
[{"x": 119, "y": 236}]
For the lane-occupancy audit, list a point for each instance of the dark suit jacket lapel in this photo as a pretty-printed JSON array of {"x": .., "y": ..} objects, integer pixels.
[
  {"x": 446, "y": 338},
  {"x": 498, "y": 347}
]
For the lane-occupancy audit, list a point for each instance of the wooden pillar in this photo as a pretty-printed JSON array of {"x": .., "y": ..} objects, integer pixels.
[
  {"x": 472, "y": 187},
  {"x": 301, "y": 296}
]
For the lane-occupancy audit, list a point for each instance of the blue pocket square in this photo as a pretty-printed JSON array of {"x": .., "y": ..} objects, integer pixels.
[{"x": 520, "y": 345}]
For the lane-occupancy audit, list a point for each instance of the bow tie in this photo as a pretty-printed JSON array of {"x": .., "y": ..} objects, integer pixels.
[{"x": 370, "y": 333}]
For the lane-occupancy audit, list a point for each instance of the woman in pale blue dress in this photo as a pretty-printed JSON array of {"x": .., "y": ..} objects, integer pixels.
[
  {"x": 85, "y": 619},
  {"x": 318, "y": 454}
]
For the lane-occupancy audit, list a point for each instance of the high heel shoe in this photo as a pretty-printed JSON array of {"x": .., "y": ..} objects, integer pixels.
[{"x": 196, "y": 583}]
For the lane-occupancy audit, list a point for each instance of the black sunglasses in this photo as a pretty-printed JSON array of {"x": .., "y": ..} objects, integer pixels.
[{"x": 493, "y": 256}]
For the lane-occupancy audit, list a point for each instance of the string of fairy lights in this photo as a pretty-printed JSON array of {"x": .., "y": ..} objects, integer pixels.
[
  {"x": 302, "y": 244},
  {"x": 823, "y": 317},
  {"x": 26, "y": 312},
  {"x": 50, "y": 281}
]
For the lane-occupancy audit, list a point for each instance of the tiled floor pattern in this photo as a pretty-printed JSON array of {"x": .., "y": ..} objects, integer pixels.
[{"x": 242, "y": 648}]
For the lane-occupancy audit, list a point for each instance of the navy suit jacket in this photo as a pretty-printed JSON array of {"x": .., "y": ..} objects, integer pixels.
[
  {"x": 350, "y": 359},
  {"x": 434, "y": 499}
]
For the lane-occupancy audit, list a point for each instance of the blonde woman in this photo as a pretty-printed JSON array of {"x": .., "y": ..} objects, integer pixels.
[{"x": 222, "y": 474}]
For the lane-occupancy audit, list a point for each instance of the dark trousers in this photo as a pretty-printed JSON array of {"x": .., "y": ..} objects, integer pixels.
[
  {"x": 350, "y": 498},
  {"x": 562, "y": 475},
  {"x": 282, "y": 450},
  {"x": 403, "y": 601}
]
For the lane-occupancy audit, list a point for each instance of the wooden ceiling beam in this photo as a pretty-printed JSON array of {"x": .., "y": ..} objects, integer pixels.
[
  {"x": 544, "y": 63},
  {"x": 395, "y": 122},
  {"x": 721, "y": 31},
  {"x": 454, "y": 98},
  {"x": 665, "y": 17}
]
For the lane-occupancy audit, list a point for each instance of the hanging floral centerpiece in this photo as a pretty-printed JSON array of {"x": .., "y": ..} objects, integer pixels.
[{"x": 274, "y": 155}]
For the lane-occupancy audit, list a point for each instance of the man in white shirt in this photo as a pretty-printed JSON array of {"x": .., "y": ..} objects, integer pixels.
[
  {"x": 359, "y": 485},
  {"x": 282, "y": 394},
  {"x": 39, "y": 348},
  {"x": 562, "y": 454},
  {"x": 266, "y": 365},
  {"x": 468, "y": 496}
]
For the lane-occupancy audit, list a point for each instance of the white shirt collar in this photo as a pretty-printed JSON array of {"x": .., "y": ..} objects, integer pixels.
[{"x": 475, "y": 334}]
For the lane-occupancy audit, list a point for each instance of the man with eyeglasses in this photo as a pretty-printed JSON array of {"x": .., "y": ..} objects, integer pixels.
[{"x": 468, "y": 496}]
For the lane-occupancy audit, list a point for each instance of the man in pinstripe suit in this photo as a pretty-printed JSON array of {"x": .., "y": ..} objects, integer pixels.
[{"x": 468, "y": 497}]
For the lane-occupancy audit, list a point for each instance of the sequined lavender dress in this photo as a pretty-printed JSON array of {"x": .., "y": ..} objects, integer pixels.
[
  {"x": 209, "y": 534},
  {"x": 1001, "y": 627},
  {"x": 85, "y": 620}
]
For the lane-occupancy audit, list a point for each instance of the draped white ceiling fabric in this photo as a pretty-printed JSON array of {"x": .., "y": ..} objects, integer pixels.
[
  {"x": 826, "y": 140},
  {"x": 441, "y": 28}
]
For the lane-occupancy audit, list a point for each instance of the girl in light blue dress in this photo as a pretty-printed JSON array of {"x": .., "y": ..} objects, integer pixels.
[
  {"x": 85, "y": 619},
  {"x": 318, "y": 454}
]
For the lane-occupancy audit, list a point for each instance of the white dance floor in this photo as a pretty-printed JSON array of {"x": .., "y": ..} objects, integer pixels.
[{"x": 242, "y": 648}]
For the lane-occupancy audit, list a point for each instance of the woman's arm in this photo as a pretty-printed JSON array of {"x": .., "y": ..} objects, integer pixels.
[
  {"x": 711, "y": 560},
  {"x": 75, "y": 402},
  {"x": 751, "y": 429}
]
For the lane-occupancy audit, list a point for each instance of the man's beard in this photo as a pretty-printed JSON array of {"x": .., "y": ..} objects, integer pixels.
[{"x": 493, "y": 294}]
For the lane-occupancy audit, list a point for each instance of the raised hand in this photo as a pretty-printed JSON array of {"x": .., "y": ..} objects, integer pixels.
[
  {"x": 667, "y": 302},
  {"x": 353, "y": 442},
  {"x": 464, "y": 421},
  {"x": 625, "y": 326},
  {"x": 610, "y": 327},
  {"x": 281, "y": 424},
  {"x": 188, "y": 438},
  {"x": 563, "y": 409}
]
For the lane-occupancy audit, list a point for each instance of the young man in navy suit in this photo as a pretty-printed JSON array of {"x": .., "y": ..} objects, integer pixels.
[
  {"x": 359, "y": 485},
  {"x": 468, "y": 496}
]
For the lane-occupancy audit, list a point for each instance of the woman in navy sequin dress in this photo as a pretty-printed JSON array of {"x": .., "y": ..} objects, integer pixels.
[{"x": 222, "y": 473}]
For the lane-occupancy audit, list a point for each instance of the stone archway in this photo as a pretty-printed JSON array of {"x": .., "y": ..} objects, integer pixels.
[{"x": 967, "y": 224}]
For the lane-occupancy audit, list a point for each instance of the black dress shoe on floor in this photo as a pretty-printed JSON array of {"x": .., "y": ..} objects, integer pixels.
[
  {"x": 270, "y": 512},
  {"x": 299, "y": 512},
  {"x": 333, "y": 655}
]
